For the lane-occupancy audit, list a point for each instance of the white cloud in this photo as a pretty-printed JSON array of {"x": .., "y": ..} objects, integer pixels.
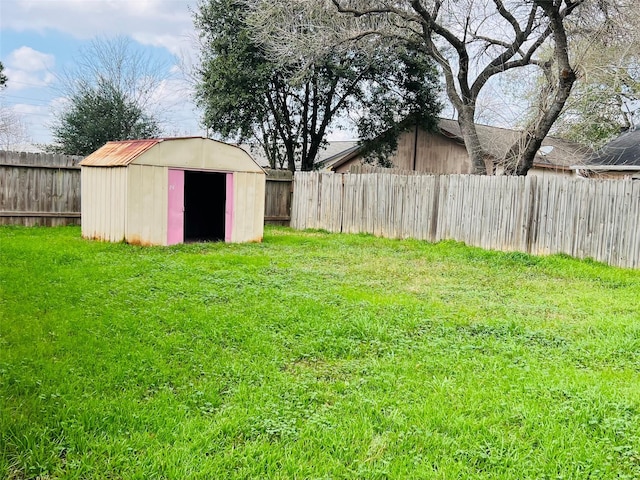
[
  {"x": 22, "y": 80},
  {"x": 164, "y": 23},
  {"x": 29, "y": 109},
  {"x": 27, "y": 68},
  {"x": 176, "y": 44},
  {"x": 173, "y": 107},
  {"x": 58, "y": 103},
  {"x": 30, "y": 60}
]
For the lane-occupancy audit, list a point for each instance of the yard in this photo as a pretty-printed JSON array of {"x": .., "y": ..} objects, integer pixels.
[{"x": 313, "y": 355}]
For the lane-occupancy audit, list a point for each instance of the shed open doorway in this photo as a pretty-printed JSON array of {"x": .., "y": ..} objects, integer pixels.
[{"x": 205, "y": 195}]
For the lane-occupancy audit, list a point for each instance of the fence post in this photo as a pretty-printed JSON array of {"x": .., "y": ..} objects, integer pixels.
[
  {"x": 532, "y": 226},
  {"x": 436, "y": 207}
]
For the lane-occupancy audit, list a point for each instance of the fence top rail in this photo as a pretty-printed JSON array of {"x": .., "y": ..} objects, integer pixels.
[
  {"x": 383, "y": 172},
  {"x": 38, "y": 159},
  {"x": 53, "y": 167}
]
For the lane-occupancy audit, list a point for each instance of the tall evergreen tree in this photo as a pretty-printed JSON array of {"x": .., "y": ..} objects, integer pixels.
[
  {"x": 96, "y": 115},
  {"x": 3, "y": 77},
  {"x": 110, "y": 93}
]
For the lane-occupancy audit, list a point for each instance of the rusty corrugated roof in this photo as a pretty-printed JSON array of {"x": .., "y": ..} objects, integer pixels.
[{"x": 119, "y": 154}]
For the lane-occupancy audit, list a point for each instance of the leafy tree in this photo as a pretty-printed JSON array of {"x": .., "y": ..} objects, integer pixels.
[
  {"x": 287, "y": 107},
  {"x": 472, "y": 41},
  {"x": 99, "y": 114},
  {"x": 110, "y": 96},
  {"x": 3, "y": 77},
  {"x": 385, "y": 114},
  {"x": 606, "y": 97},
  {"x": 600, "y": 108}
]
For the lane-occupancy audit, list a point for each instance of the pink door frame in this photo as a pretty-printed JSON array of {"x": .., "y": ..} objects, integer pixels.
[
  {"x": 228, "y": 209},
  {"x": 175, "y": 220},
  {"x": 175, "y": 208}
]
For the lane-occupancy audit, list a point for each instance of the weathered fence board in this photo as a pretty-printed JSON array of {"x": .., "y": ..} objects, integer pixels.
[
  {"x": 599, "y": 219},
  {"x": 39, "y": 189},
  {"x": 278, "y": 190},
  {"x": 44, "y": 189}
]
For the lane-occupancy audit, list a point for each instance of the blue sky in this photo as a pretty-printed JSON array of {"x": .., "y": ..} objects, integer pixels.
[{"x": 40, "y": 38}]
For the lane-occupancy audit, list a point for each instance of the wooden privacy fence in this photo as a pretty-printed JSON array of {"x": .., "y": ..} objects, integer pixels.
[
  {"x": 599, "y": 219},
  {"x": 277, "y": 205},
  {"x": 39, "y": 189},
  {"x": 44, "y": 189}
]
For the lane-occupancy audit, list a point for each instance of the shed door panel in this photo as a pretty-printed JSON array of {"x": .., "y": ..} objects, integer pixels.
[
  {"x": 228, "y": 213},
  {"x": 175, "y": 222}
]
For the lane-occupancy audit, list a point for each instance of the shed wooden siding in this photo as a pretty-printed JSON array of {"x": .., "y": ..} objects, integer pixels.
[
  {"x": 248, "y": 207},
  {"x": 104, "y": 203},
  {"x": 148, "y": 209}
]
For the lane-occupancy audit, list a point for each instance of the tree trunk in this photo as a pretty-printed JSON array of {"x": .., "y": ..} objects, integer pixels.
[
  {"x": 519, "y": 158},
  {"x": 528, "y": 145},
  {"x": 471, "y": 140}
]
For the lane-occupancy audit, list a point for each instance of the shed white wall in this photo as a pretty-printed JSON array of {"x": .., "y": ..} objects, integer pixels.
[
  {"x": 131, "y": 203},
  {"x": 147, "y": 206},
  {"x": 104, "y": 203},
  {"x": 147, "y": 210},
  {"x": 248, "y": 207}
]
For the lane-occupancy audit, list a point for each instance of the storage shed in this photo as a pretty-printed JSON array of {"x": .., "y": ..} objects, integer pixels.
[{"x": 172, "y": 190}]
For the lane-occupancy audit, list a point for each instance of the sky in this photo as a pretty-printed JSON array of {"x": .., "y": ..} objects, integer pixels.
[{"x": 39, "y": 39}]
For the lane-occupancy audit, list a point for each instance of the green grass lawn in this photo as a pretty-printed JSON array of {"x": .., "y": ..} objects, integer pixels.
[{"x": 313, "y": 355}]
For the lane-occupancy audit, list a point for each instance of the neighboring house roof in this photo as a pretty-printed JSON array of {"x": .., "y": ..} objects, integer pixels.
[
  {"x": 496, "y": 141},
  {"x": 332, "y": 149},
  {"x": 555, "y": 152},
  {"x": 336, "y": 157},
  {"x": 622, "y": 153}
]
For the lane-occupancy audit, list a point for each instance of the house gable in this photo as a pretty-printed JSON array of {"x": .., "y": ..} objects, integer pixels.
[{"x": 444, "y": 152}]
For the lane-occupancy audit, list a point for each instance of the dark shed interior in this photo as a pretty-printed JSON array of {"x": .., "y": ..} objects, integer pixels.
[{"x": 204, "y": 206}]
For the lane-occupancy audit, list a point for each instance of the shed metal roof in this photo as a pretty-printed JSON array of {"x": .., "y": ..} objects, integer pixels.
[
  {"x": 198, "y": 152},
  {"x": 119, "y": 154}
]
